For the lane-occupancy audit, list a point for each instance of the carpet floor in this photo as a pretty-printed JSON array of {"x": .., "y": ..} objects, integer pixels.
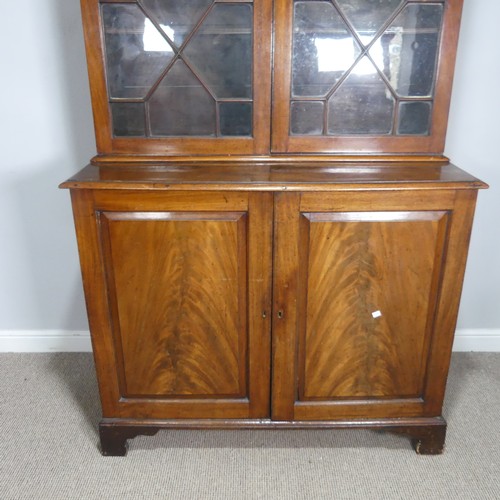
[{"x": 49, "y": 411}]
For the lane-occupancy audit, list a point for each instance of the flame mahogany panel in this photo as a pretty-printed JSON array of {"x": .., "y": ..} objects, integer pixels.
[
  {"x": 370, "y": 302},
  {"x": 177, "y": 283}
]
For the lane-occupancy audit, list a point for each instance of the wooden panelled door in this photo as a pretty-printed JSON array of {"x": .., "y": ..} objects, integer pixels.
[
  {"x": 357, "y": 297},
  {"x": 187, "y": 280}
]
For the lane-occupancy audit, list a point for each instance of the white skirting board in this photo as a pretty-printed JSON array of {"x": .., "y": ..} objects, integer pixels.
[
  {"x": 478, "y": 340},
  {"x": 45, "y": 341}
]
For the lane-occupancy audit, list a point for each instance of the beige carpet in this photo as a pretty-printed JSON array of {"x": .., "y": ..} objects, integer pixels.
[{"x": 49, "y": 411}]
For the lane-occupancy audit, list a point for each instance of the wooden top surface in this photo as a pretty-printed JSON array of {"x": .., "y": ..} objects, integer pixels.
[{"x": 271, "y": 177}]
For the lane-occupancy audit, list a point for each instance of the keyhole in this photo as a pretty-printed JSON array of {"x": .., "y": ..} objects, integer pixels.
[{"x": 280, "y": 314}]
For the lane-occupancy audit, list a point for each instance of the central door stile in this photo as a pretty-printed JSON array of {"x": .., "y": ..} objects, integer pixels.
[
  {"x": 285, "y": 305},
  {"x": 260, "y": 261}
]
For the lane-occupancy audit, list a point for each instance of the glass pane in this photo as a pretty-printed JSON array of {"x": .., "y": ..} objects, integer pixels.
[
  {"x": 306, "y": 118},
  {"x": 323, "y": 48},
  {"x": 368, "y": 16},
  {"x": 177, "y": 18},
  {"x": 181, "y": 106},
  {"x": 128, "y": 119},
  {"x": 221, "y": 50},
  {"x": 407, "y": 52},
  {"x": 414, "y": 118},
  {"x": 362, "y": 104},
  {"x": 235, "y": 118},
  {"x": 136, "y": 52}
]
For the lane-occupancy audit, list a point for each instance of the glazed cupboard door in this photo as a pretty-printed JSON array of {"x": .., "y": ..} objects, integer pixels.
[
  {"x": 178, "y": 294},
  {"x": 363, "y": 76},
  {"x": 366, "y": 294},
  {"x": 179, "y": 78}
]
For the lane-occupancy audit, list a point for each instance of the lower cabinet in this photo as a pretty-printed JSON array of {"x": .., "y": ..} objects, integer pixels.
[{"x": 253, "y": 309}]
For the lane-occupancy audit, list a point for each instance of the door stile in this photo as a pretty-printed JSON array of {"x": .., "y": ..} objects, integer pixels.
[
  {"x": 285, "y": 305},
  {"x": 260, "y": 303}
]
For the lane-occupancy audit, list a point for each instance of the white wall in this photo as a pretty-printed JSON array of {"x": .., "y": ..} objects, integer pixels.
[
  {"x": 47, "y": 135},
  {"x": 473, "y": 143}
]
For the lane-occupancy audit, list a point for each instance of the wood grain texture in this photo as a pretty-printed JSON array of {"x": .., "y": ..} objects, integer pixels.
[
  {"x": 94, "y": 286},
  {"x": 351, "y": 254},
  {"x": 377, "y": 236},
  {"x": 450, "y": 292},
  {"x": 369, "y": 304},
  {"x": 178, "y": 283},
  {"x": 177, "y": 296},
  {"x": 293, "y": 175},
  {"x": 285, "y": 313},
  {"x": 282, "y": 70},
  {"x": 260, "y": 264},
  {"x": 128, "y": 159},
  {"x": 427, "y": 434},
  {"x": 97, "y": 79}
]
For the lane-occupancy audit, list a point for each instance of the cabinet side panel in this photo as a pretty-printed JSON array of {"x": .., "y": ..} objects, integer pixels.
[
  {"x": 178, "y": 285},
  {"x": 451, "y": 289},
  {"x": 370, "y": 303},
  {"x": 87, "y": 233}
]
